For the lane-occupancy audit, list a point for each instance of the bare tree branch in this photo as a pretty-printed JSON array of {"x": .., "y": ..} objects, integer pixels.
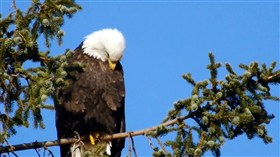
[
  {"x": 34, "y": 145},
  {"x": 24, "y": 146},
  {"x": 144, "y": 131}
]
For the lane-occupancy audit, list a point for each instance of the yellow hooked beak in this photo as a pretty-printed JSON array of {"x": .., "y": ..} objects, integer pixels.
[{"x": 112, "y": 65}]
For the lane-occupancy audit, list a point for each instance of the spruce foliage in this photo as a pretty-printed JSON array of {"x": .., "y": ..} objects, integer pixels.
[
  {"x": 221, "y": 109},
  {"x": 24, "y": 91}
]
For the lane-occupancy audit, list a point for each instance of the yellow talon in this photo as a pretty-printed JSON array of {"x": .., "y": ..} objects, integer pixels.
[{"x": 92, "y": 138}]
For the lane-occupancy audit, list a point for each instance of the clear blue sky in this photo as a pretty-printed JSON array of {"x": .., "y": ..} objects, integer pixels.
[{"x": 166, "y": 40}]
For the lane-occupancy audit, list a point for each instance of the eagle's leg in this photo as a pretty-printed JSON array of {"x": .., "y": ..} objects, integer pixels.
[{"x": 95, "y": 147}]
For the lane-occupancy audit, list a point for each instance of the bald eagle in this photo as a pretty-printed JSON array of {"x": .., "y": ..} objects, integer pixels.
[{"x": 93, "y": 101}]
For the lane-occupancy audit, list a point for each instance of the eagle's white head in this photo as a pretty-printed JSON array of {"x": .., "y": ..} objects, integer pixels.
[{"x": 106, "y": 44}]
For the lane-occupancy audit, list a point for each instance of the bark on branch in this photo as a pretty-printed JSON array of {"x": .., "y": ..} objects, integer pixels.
[{"x": 45, "y": 144}]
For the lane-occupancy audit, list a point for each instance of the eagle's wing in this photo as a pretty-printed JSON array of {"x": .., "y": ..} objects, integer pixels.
[{"x": 93, "y": 101}]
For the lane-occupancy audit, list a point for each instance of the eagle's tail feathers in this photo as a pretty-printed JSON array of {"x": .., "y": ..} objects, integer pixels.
[{"x": 108, "y": 148}]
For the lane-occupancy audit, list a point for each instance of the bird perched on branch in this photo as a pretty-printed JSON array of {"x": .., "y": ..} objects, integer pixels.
[{"x": 92, "y": 103}]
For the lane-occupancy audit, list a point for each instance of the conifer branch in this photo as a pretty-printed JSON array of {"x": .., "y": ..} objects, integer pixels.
[
  {"x": 202, "y": 139},
  {"x": 45, "y": 144},
  {"x": 273, "y": 77}
]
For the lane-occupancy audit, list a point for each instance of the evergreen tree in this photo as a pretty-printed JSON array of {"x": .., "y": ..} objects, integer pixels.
[
  {"x": 23, "y": 91},
  {"x": 221, "y": 109}
]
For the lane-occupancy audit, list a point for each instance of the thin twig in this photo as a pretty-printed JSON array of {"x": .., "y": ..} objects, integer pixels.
[
  {"x": 133, "y": 146},
  {"x": 202, "y": 138},
  {"x": 14, "y": 4},
  {"x": 50, "y": 153},
  {"x": 151, "y": 143},
  {"x": 129, "y": 147},
  {"x": 14, "y": 154},
  {"x": 161, "y": 145},
  {"x": 44, "y": 153},
  {"x": 37, "y": 152},
  {"x": 7, "y": 143}
]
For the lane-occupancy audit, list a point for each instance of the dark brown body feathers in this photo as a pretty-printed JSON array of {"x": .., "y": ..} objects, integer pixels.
[{"x": 92, "y": 102}]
